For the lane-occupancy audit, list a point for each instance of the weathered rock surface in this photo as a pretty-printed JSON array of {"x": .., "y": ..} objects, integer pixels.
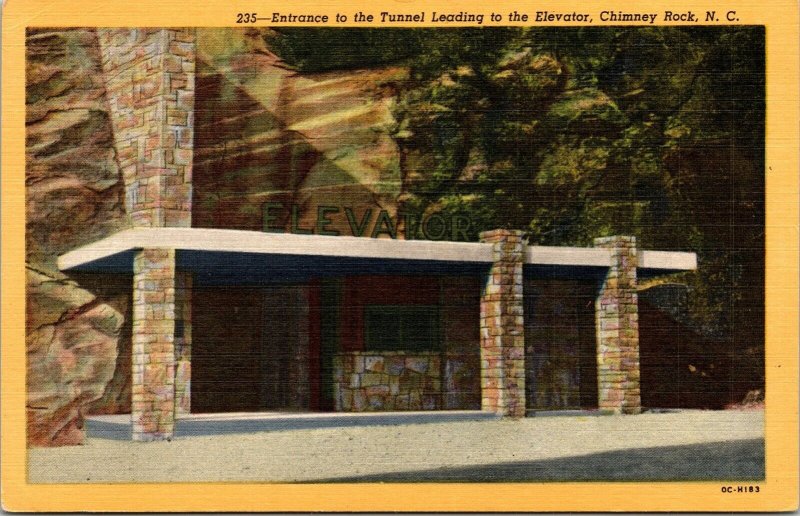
[
  {"x": 267, "y": 133},
  {"x": 71, "y": 342},
  {"x": 116, "y": 291},
  {"x": 74, "y": 195}
]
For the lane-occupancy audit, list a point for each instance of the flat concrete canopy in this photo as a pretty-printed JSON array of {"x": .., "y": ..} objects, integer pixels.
[{"x": 224, "y": 252}]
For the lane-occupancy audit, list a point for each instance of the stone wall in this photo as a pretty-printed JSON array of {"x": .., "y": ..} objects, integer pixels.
[
  {"x": 387, "y": 380},
  {"x": 617, "y": 321},
  {"x": 149, "y": 85},
  {"x": 149, "y": 78}
]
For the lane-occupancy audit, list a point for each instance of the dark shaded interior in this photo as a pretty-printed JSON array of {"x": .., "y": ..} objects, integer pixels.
[
  {"x": 560, "y": 344},
  {"x": 271, "y": 347}
]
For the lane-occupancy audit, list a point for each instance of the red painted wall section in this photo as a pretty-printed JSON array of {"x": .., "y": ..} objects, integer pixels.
[{"x": 361, "y": 291}]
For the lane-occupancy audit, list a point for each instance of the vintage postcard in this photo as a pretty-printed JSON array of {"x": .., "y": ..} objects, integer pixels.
[{"x": 400, "y": 256}]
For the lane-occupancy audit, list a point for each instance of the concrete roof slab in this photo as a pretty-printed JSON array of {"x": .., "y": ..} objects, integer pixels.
[{"x": 115, "y": 251}]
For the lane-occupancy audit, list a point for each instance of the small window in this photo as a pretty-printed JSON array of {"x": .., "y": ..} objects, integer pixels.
[{"x": 401, "y": 328}]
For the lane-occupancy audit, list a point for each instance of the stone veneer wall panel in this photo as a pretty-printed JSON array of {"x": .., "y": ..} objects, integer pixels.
[
  {"x": 153, "y": 388},
  {"x": 149, "y": 76},
  {"x": 617, "y": 321},
  {"x": 502, "y": 326},
  {"x": 387, "y": 380}
]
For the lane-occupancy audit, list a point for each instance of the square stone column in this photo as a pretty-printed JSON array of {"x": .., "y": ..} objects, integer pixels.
[
  {"x": 502, "y": 326},
  {"x": 149, "y": 75},
  {"x": 153, "y": 386},
  {"x": 617, "y": 327}
]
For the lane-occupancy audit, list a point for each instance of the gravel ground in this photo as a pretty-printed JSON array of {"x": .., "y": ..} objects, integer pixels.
[{"x": 684, "y": 445}]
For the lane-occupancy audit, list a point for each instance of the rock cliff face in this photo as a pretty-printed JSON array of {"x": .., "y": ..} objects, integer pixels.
[
  {"x": 265, "y": 133},
  {"x": 73, "y": 196},
  {"x": 74, "y": 193},
  {"x": 71, "y": 344}
]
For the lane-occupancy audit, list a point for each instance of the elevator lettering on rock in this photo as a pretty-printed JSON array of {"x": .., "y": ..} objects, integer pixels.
[{"x": 367, "y": 223}]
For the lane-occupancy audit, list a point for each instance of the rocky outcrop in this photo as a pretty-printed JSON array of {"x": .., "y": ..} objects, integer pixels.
[
  {"x": 266, "y": 133},
  {"x": 71, "y": 342},
  {"x": 115, "y": 290},
  {"x": 74, "y": 195}
]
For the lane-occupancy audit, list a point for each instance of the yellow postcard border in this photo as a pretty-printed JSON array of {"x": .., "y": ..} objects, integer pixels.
[{"x": 779, "y": 492}]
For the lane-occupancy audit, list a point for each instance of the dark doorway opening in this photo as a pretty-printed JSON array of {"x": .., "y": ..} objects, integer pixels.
[
  {"x": 560, "y": 356},
  {"x": 251, "y": 349}
]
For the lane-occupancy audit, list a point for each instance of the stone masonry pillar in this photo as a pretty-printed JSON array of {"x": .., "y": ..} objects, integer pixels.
[
  {"x": 502, "y": 326},
  {"x": 153, "y": 353},
  {"x": 149, "y": 77},
  {"x": 617, "y": 328}
]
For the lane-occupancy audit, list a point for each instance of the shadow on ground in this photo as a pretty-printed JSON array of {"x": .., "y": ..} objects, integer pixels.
[{"x": 724, "y": 460}]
